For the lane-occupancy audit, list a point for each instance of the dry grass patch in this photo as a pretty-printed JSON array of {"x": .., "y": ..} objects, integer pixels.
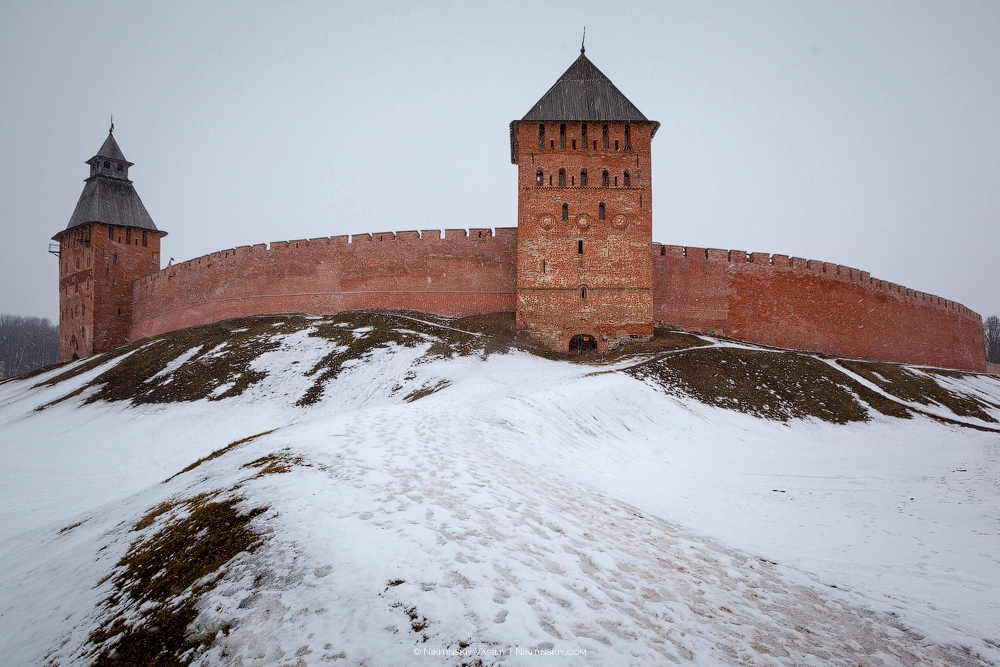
[
  {"x": 219, "y": 452},
  {"x": 918, "y": 388},
  {"x": 770, "y": 385},
  {"x": 157, "y": 584},
  {"x": 276, "y": 464},
  {"x": 217, "y": 366}
]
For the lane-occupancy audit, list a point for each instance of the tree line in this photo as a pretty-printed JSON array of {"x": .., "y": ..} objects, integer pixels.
[
  {"x": 991, "y": 337},
  {"x": 27, "y": 343}
]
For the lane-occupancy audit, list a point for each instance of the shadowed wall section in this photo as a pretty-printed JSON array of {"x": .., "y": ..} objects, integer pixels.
[
  {"x": 459, "y": 274},
  {"x": 808, "y": 305}
]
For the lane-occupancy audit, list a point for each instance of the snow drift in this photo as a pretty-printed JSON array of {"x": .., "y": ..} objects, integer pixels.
[{"x": 388, "y": 488}]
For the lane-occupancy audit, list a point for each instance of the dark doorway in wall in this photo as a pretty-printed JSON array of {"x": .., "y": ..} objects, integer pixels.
[{"x": 583, "y": 344}]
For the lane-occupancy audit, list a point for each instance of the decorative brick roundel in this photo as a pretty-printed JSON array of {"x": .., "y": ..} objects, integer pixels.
[
  {"x": 619, "y": 221},
  {"x": 583, "y": 221},
  {"x": 547, "y": 222}
]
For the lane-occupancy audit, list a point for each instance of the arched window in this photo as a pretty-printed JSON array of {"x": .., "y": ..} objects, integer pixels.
[
  {"x": 539, "y": 178},
  {"x": 604, "y": 136},
  {"x": 583, "y": 178},
  {"x": 628, "y": 179},
  {"x": 107, "y": 165},
  {"x": 562, "y": 135},
  {"x": 119, "y": 167},
  {"x": 600, "y": 211},
  {"x": 583, "y": 290},
  {"x": 628, "y": 137},
  {"x": 583, "y": 135},
  {"x": 579, "y": 247},
  {"x": 604, "y": 178},
  {"x": 541, "y": 135},
  {"x": 616, "y": 144},
  {"x": 565, "y": 215},
  {"x": 111, "y": 232},
  {"x": 562, "y": 178}
]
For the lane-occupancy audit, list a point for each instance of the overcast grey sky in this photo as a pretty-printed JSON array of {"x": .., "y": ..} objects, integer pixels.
[{"x": 860, "y": 133}]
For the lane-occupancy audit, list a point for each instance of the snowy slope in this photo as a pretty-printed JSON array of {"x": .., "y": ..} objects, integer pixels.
[{"x": 431, "y": 508}]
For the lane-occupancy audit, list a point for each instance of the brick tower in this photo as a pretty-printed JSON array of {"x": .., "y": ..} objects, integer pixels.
[
  {"x": 109, "y": 242},
  {"x": 584, "y": 231}
]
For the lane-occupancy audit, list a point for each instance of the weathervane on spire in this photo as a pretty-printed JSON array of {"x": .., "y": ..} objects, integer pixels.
[
  {"x": 111, "y": 131},
  {"x": 583, "y": 49}
]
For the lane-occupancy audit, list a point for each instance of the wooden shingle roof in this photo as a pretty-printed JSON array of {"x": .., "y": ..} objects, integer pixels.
[
  {"x": 110, "y": 150},
  {"x": 582, "y": 94},
  {"x": 112, "y": 202},
  {"x": 109, "y": 196}
]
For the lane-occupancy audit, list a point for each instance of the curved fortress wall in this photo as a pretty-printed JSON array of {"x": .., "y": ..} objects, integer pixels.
[
  {"x": 767, "y": 299},
  {"x": 459, "y": 274},
  {"x": 808, "y": 305}
]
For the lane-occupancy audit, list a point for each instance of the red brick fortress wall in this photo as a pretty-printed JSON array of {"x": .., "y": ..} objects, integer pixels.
[
  {"x": 97, "y": 266},
  {"x": 583, "y": 263},
  {"x": 808, "y": 305},
  {"x": 457, "y": 274}
]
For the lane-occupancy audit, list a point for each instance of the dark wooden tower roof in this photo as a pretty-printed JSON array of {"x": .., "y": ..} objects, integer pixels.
[
  {"x": 109, "y": 196},
  {"x": 582, "y": 94},
  {"x": 110, "y": 150}
]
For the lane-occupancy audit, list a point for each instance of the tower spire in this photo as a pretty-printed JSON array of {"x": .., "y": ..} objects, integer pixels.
[
  {"x": 583, "y": 49},
  {"x": 112, "y": 130}
]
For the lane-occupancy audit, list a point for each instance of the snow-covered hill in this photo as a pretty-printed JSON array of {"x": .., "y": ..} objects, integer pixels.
[{"x": 387, "y": 489}]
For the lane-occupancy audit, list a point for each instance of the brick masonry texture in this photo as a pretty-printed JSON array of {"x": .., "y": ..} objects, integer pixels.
[
  {"x": 584, "y": 274},
  {"x": 809, "y": 305},
  {"x": 760, "y": 298},
  {"x": 97, "y": 266},
  {"x": 459, "y": 274}
]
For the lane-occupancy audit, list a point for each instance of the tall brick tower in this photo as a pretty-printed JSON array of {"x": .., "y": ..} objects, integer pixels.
[
  {"x": 584, "y": 231},
  {"x": 109, "y": 242}
]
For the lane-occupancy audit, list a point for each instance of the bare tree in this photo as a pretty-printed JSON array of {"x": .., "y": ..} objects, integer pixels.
[
  {"x": 27, "y": 343},
  {"x": 991, "y": 337}
]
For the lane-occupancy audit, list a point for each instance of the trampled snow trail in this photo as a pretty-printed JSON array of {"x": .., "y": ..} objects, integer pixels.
[
  {"x": 503, "y": 558},
  {"x": 527, "y": 507}
]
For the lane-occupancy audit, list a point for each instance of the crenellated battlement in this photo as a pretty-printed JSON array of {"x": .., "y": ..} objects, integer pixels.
[
  {"x": 455, "y": 272},
  {"x": 771, "y": 299},
  {"x": 830, "y": 271},
  {"x": 808, "y": 304},
  {"x": 449, "y": 238}
]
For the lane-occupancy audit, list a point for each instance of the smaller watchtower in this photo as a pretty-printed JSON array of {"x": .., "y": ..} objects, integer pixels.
[
  {"x": 585, "y": 213},
  {"x": 110, "y": 241}
]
